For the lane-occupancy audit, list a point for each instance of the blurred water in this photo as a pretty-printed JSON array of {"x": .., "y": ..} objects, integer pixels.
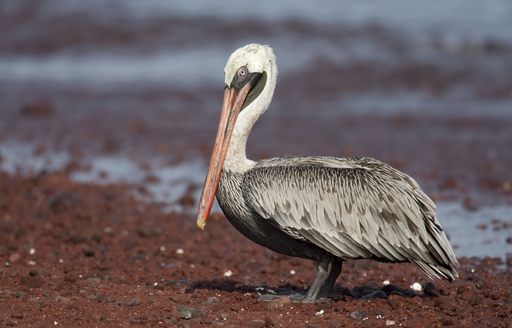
[
  {"x": 460, "y": 49},
  {"x": 456, "y": 19},
  {"x": 481, "y": 232}
]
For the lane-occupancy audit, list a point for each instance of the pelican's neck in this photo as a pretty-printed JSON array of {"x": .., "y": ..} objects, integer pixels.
[{"x": 236, "y": 159}]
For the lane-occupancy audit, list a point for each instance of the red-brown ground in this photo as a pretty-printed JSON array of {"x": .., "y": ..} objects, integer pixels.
[{"x": 84, "y": 255}]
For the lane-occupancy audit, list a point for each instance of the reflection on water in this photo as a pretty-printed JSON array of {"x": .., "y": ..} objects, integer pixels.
[{"x": 482, "y": 232}]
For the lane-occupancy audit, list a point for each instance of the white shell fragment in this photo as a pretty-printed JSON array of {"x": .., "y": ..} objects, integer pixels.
[
  {"x": 228, "y": 273},
  {"x": 321, "y": 312},
  {"x": 416, "y": 287},
  {"x": 386, "y": 282},
  {"x": 180, "y": 251}
]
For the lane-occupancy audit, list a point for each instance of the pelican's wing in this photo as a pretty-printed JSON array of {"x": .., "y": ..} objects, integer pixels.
[{"x": 352, "y": 208}]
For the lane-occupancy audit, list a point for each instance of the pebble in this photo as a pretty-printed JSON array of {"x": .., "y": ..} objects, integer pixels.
[
  {"x": 390, "y": 322},
  {"x": 188, "y": 313},
  {"x": 213, "y": 300},
  {"x": 20, "y": 294},
  {"x": 386, "y": 282},
  {"x": 32, "y": 251},
  {"x": 292, "y": 272},
  {"x": 358, "y": 315},
  {"x": 228, "y": 273},
  {"x": 266, "y": 298},
  {"x": 224, "y": 316},
  {"x": 416, "y": 287},
  {"x": 133, "y": 301},
  {"x": 180, "y": 251},
  {"x": 321, "y": 312}
]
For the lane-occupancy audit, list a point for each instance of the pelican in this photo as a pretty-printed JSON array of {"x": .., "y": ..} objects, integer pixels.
[{"x": 324, "y": 209}]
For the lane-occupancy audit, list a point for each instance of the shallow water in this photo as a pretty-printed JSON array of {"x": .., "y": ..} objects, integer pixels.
[
  {"x": 180, "y": 46},
  {"x": 480, "y": 232}
]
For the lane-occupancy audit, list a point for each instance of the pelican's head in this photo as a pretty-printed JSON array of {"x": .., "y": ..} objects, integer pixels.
[{"x": 246, "y": 96}]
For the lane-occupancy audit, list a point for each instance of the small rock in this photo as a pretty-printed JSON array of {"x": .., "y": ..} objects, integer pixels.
[
  {"x": 390, "y": 322},
  {"x": 180, "y": 251},
  {"x": 88, "y": 253},
  {"x": 266, "y": 298},
  {"x": 188, "y": 313},
  {"x": 228, "y": 274},
  {"x": 358, "y": 315},
  {"x": 212, "y": 300},
  {"x": 416, "y": 287},
  {"x": 20, "y": 294},
  {"x": 292, "y": 272},
  {"x": 224, "y": 316},
  {"x": 386, "y": 282},
  {"x": 321, "y": 312},
  {"x": 133, "y": 301},
  {"x": 62, "y": 201}
]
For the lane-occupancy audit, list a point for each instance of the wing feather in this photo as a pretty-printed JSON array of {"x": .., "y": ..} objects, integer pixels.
[{"x": 352, "y": 208}]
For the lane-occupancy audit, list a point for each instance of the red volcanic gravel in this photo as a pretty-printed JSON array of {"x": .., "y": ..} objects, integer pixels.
[{"x": 77, "y": 255}]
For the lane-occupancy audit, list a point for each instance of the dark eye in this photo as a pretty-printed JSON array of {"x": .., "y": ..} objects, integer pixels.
[{"x": 242, "y": 71}]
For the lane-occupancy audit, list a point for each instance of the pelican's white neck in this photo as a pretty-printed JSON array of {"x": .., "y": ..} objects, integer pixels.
[{"x": 236, "y": 159}]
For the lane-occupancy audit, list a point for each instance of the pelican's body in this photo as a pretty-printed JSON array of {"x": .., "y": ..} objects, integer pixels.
[{"x": 324, "y": 209}]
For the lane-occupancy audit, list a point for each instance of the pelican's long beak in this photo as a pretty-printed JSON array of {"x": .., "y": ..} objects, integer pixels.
[{"x": 231, "y": 107}]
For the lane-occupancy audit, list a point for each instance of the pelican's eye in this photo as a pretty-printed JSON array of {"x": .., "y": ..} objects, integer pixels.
[{"x": 242, "y": 71}]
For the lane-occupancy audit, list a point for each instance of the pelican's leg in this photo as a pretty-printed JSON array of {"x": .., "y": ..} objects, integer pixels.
[{"x": 327, "y": 271}]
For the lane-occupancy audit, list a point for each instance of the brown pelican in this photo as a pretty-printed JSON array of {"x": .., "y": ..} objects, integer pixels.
[{"x": 324, "y": 209}]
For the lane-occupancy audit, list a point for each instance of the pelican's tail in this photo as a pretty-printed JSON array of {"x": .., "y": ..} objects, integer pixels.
[{"x": 437, "y": 271}]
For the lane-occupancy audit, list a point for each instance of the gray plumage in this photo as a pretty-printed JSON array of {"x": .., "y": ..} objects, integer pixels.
[
  {"x": 350, "y": 208},
  {"x": 324, "y": 209}
]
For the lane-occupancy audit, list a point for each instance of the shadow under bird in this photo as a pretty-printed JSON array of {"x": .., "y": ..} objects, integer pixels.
[{"x": 324, "y": 209}]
